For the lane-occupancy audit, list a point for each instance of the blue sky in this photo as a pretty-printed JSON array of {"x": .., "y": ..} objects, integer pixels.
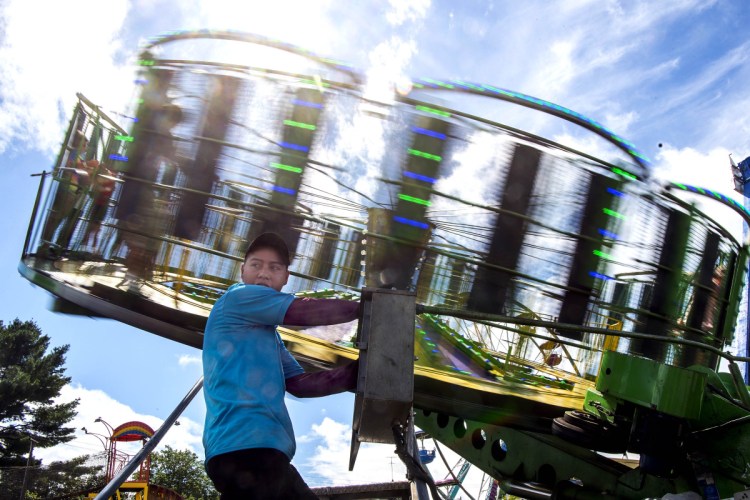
[{"x": 670, "y": 76}]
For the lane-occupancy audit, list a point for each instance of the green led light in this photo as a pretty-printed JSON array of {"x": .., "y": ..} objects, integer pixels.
[
  {"x": 441, "y": 84},
  {"x": 289, "y": 168},
  {"x": 146, "y": 62},
  {"x": 623, "y": 173},
  {"x": 681, "y": 186},
  {"x": 613, "y": 213},
  {"x": 318, "y": 83},
  {"x": 418, "y": 85},
  {"x": 603, "y": 255},
  {"x": 305, "y": 126},
  {"x": 139, "y": 101},
  {"x": 416, "y": 152},
  {"x": 469, "y": 85},
  {"x": 412, "y": 199},
  {"x": 433, "y": 111},
  {"x": 125, "y": 138}
]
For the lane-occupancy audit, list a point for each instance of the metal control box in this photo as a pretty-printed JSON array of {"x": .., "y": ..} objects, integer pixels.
[{"x": 385, "y": 383}]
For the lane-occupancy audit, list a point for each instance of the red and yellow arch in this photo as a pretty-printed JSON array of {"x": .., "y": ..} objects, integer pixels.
[{"x": 132, "y": 431}]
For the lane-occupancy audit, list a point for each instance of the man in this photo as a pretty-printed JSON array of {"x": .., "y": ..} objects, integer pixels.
[{"x": 248, "y": 435}]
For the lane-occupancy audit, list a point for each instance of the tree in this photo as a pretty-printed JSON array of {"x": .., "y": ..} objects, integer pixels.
[
  {"x": 183, "y": 472},
  {"x": 64, "y": 479},
  {"x": 30, "y": 379},
  {"x": 58, "y": 480}
]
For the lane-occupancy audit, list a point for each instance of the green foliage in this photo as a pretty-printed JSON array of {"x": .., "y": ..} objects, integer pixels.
[
  {"x": 183, "y": 472},
  {"x": 30, "y": 379},
  {"x": 68, "y": 479}
]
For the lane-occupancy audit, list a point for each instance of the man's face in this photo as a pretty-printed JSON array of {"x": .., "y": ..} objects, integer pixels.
[{"x": 264, "y": 267}]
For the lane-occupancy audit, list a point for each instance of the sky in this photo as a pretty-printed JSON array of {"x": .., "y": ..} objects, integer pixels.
[{"x": 670, "y": 76}]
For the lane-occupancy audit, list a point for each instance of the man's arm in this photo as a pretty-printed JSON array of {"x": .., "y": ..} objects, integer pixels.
[
  {"x": 314, "y": 312},
  {"x": 324, "y": 383}
]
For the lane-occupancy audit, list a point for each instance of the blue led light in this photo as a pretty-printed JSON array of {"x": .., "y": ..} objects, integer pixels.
[
  {"x": 599, "y": 275},
  {"x": 409, "y": 222},
  {"x": 284, "y": 190},
  {"x": 608, "y": 234},
  {"x": 615, "y": 192},
  {"x": 141, "y": 81},
  {"x": 728, "y": 201},
  {"x": 431, "y": 133},
  {"x": 300, "y": 102},
  {"x": 118, "y": 158},
  {"x": 296, "y": 147},
  {"x": 467, "y": 85},
  {"x": 419, "y": 177}
]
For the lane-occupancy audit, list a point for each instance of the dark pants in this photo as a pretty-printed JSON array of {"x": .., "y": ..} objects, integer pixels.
[{"x": 261, "y": 473}]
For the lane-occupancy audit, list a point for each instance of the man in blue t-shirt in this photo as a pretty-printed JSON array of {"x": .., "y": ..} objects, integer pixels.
[{"x": 248, "y": 436}]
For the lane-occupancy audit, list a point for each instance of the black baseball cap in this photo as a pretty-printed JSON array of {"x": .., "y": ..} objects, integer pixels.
[{"x": 272, "y": 241}]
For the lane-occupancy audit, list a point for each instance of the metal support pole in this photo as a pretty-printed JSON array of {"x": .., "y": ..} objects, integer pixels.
[
  {"x": 34, "y": 214},
  {"x": 419, "y": 487},
  {"x": 28, "y": 464}
]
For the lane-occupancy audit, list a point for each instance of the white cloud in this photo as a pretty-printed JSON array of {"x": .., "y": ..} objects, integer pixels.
[
  {"x": 712, "y": 74},
  {"x": 474, "y": 175},
  {"x": 299, "y": 22},
  {"x": 621, "y": 122},
  {"x": 187, "y": 360},
  {"x": 94, "y": 404},
  {"x": 407, "y": 10},
  {"x": 560, "y": 67},
  {"x": 46, "y": 59},
  {"x": 330, "y": 463},
  {"x": 375, "y": 462},
  {"x": 388, "y": 62},
  {"x": 626, "y": 19},
  {"x": 593, "y": 145}
]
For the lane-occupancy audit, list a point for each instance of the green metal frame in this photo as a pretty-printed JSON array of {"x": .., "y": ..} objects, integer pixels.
[
  {"x": 668, "y": 389},
  {"x": 508, "y": 453}
]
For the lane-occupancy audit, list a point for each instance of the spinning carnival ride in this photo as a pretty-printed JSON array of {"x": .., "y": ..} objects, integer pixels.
[{"x": 567, "y": 307}]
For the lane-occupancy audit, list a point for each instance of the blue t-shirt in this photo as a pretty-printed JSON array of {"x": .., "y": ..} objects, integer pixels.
[{"x": 245, "y": 365}]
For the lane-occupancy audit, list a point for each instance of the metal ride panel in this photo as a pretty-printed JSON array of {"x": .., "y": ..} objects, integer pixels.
[{"x": 385, "y": 383}]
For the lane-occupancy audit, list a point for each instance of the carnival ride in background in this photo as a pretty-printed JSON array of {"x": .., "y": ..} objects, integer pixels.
[
  {"x": 566, "y": 306},
  {"x": 139, "y": 485}
]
